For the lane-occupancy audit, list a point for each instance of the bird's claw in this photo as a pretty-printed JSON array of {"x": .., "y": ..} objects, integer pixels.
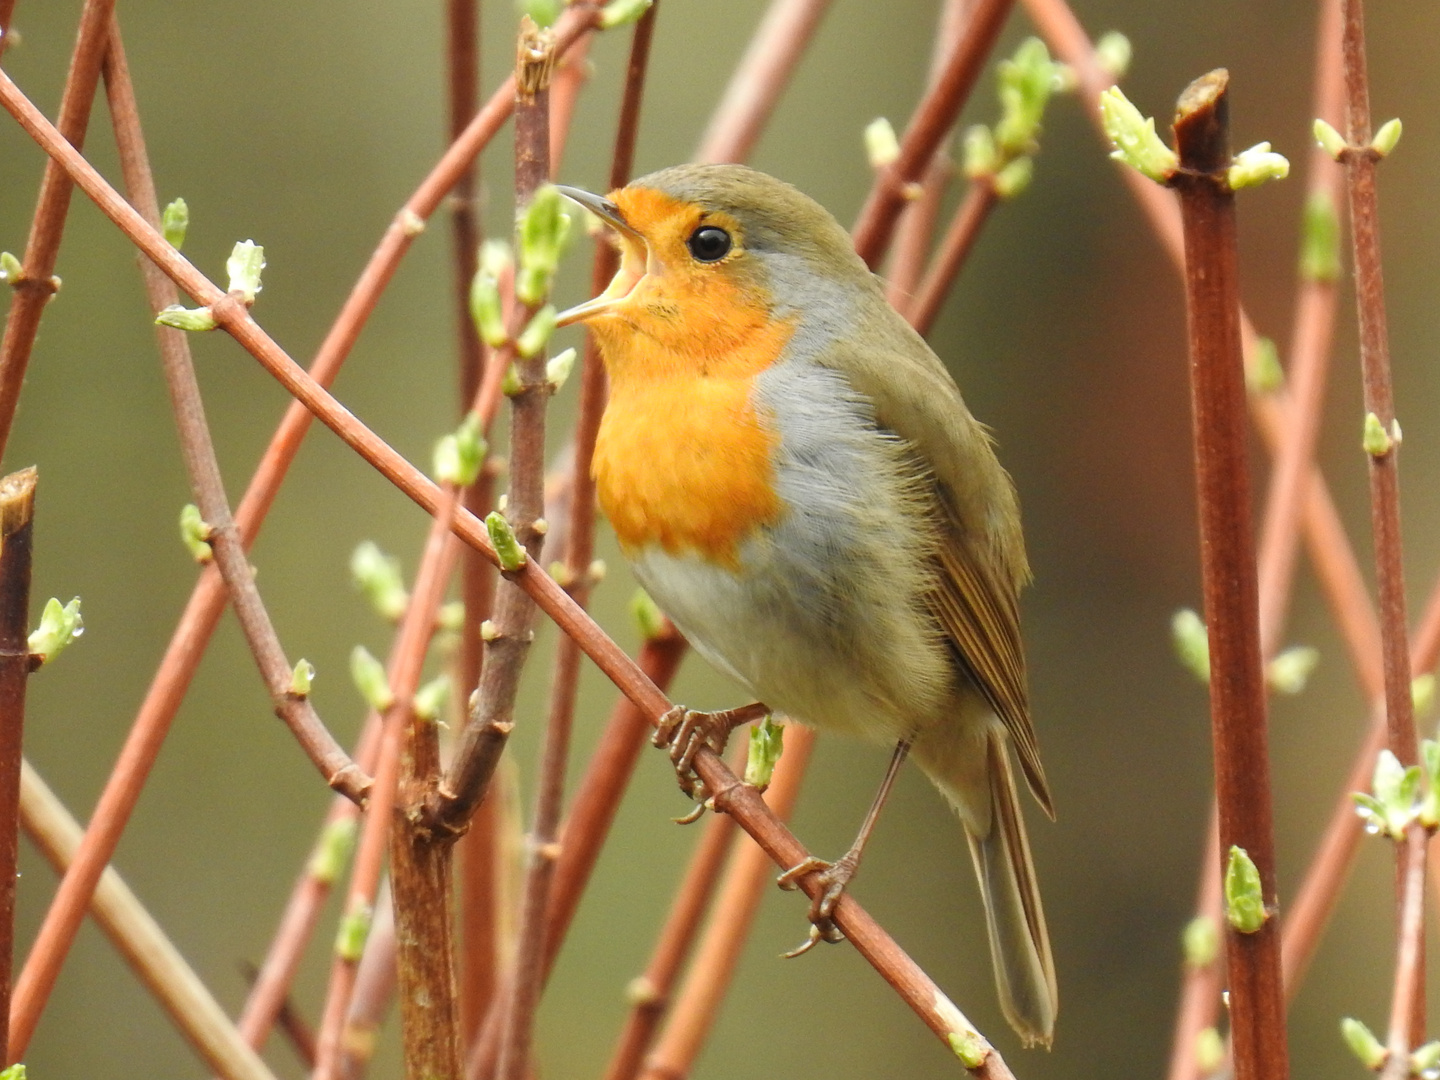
[
  {"x": 686, "y": 732},
  {"x": 832, "y": 878}
]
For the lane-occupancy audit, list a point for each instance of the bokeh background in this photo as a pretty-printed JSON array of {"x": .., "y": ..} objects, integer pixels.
[{"x": 305, "y": 126}]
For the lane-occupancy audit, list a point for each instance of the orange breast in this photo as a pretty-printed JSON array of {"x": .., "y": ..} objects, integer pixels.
[{"x": 687, "y": 464}]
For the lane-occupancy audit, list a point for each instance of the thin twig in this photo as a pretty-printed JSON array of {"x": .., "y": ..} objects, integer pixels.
[
  {"x": 17, "y": 537},
  {"x": 1237, "y": 683},
  {"x": 375, "y": 983},
  {"x": 932, "y": 118},
  {"x": 775, "y": 49},
  {"x": 970, "y": 217},
  {"x": 1360, "y": 164},
  {"x": 1406, "y": 1028},
  {"x": 142, "y": 942},
  {"x": 877, "y": 947},
  {"x": 698, "y": 1006},
  {"x": 202, "y": 612},
  {"x": 37, "y": 283}
]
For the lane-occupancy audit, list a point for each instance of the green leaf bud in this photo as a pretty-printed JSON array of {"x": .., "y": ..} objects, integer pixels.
[
  {"x": 430, "y": 699},
  {"x": 486, "y": 310},
  {"x": 882, "y": 145},
  {"x": 332, "y": 850},
  {"x": 451, "y": 617},
  {"x": 536, "y": 335},
  {"x": 1201, "y": 940},
  {"x": 1244, "y": 901},
  {"x": 1209, "y": 1051},
  {"x": 767, "y": 741},
  {"x": 541, "y": 234},
  {"x": 1425, "y": 1061},
  {"x": 301, "y": 678},
  {"x": 175, "y": 222},
  {"x": 1014, "y": 178},
  {"x": 1257, "y": 165},
  {"x": 1320, "y": 240},
  {"x": 1363, "y": 1044},
  {"x": 1386, "y": 138},
  {"x": 649, "y": 619},
  {"x": 378, "y": 576},
  {"x": 10, "y": 269},
  {"x": 1291, "y": 670},
  {"x": 354, "y": 929},
  {"x": 246, "y": 261},
  {"x": 1192, "y": 643},
  {"x": 981, "y": 157},
  {"x": 1330, "y": 140},
  {"x": 1133, "y": 135},
  {"x": 16, "y": 1071},
  {"x": 1422, "y": 694},
  {"x": 1376, "y": 440},
  {"x": 59, "y": 626},
  {"x": 183, "y": 318},
  {"x": 370, "y": 679},
  {"x": 1026, "y": 82},
  {"x": 460, "y": 455},
  {"x": 1113, "y": 53},
  {"x": 558, "y": 369},
  {"x": 1263, "y": 373},
  {"x": 622, "y": 12},
  {"x": 195, "y": 534},
  {"x": 502, "y": 537}
]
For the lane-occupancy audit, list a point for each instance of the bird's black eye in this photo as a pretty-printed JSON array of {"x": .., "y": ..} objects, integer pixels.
[{"x": 709, "y": 244}]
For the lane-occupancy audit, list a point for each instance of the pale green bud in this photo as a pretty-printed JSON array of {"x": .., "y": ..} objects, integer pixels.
[
  {"x": 1330, "y": 140},
  {"x": 541, "y": 234},
  {"x": 175, "y": 222},
  {"x": 558, "y": 369},
  {"x": 1263, "y": 373},
  {"x": 486, "y": 310},
  {"x": 430, "y": 699},
  {"x": 451, "y": 616},
  {"x": 354, "y": 929},
  {"x": 1113, "y": 53},
  {"x": 1291, "y": 670},
  {"x": 1363, "y": 1044},
  {"x": 502, "y": 538},
  {"x": 246, "y": 261},
  {"x": 370, "y": 679},
  {"x": 1429, "y": 808},
  {"x": 1192, "y": 643},
  {"x": 1386, "y": 138},
  {"x": 622, "y": 12},
  {"x": 767, "y": 741},
  {"x": 649, "y": 619},
  {"x": 1257, "y": 165},
  {"x": 1425, "y": 1061},
  {"x": 378, "y": 576},
  {"x": 1014, "y": 178},
  {"x": 969, "y": 1047},
  {"x": 1209, "y": 1050},
  {"x": 16, "y": 1071},
  {"x": 981, "y": 158},
  {"x": 10, "y": 269},
  {"x": 332, "y": 850},
  {"x": 59, "y": 626},
  {"x": 1422, "y": 694},
  {"x": 882, "y": 145},
  {"x": 1392, "y": 806},
  {"x": 536, "y": 335},
  {"x": 1376, "y": 440},
  {"x": 460, "y": 455},
  {"x": 1026, "y": 82},
  {"x": 1133, "y": 135},
  {"x": 195, "y": 534},
  {"x": 1201, "y": 940},
  {"x": 301, "y": 678},
  {"x": 1320, "y": 240},
  {"x": 1244, "y": 901},
  {"x": 182, "y": 318}
]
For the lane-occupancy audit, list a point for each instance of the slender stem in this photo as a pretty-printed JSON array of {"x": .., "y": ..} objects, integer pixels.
[
  {"x": 525, "y": 507},
  {"x": 462, "y": 40},
  {"x": 775, "y": 49},
  {"x": 878, "y": 948},
  {"x": 1237, "y": 683},
  {"x": 1360, "y": 166},
  {"x": 37, "y": 283},
  {"x": 1406, "y": 1002},
  {"x": 696, "y": 1008},
  {"x": 970, "y": 217},
  {"x": 375, "y": 984},
  {"x": 649, "y": 995},
  {"x": 142, "y": 942},
  {"x": 17, "y": 533},
  {"x": 932, "y": 118}
]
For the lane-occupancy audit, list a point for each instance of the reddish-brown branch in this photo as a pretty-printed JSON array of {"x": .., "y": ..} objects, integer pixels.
[
  {"x": 37, "y": 283},
  {"x": 878, "y": 948},
  {"x": 970, "y": 217},
  {"x": 1237, "y": 682},
  {"x": 197, "y": 623},
  {"x": 698, "y": 1005},
  {"x": 650, "y": 993},
  {"x": 1360, "y": 165},
  {"x": 775, "y": 49},
  {"x": 17, "y": 515},
  {"x": 1406, "y": 1028},
  {"x": 462, "y": 40},
  {"x": 932, "y": 118},
  {"x": 374, "y": 993}
]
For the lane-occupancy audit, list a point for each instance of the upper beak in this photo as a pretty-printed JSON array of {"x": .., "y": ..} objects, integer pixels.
[{"x": 609, "y": 213}]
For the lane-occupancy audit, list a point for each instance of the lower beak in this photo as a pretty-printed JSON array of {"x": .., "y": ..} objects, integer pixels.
[{"x": 633, "y": 253}]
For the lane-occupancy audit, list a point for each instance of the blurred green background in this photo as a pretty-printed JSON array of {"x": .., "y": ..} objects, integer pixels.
[{"x": 306, "y": 126}]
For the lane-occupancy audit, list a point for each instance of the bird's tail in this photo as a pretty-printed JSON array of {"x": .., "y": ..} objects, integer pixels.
[{"x": 1019, "y": 944}]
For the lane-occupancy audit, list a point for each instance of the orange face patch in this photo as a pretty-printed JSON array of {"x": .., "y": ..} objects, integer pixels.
[{"x": 683, "y": 460}]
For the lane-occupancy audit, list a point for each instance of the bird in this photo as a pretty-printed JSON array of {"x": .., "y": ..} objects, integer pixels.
[{"x": 793, "y": 476}]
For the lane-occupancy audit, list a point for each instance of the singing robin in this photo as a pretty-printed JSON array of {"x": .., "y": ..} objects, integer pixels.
[{"x": 795, "y": 480}]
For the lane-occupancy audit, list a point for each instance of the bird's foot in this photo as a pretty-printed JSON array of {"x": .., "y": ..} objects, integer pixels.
[
  {"x": 832, "y": 879},
  {"x": 686, "y": 732}
]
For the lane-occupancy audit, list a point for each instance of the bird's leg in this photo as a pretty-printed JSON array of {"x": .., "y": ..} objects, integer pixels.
[
  {"x": 685, "y": 732},
  {"x": 834, "y": 877}
]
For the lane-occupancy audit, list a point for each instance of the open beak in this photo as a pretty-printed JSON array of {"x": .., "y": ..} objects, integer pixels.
[{"x": 633, "y": 258}]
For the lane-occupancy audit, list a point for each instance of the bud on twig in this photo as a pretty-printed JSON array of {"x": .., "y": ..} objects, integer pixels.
[
  {"x": 767, "y": 741},
  {"x": 1363, "y": 1043},
  {"x": 1134, "y": 138},
  {"x": 378, "y": 576},
  {"x": 59, "y": 626},
  {"x": 195, "y": 534},
  {"x": 1192, "y": 643},
  {"x": 1244, "y": 900},
  {"x": 175, "y": 222},
  {"x": 246, "y": 261},
  {"x": 301, "y": 677},
  {"x": 502, "y": 537},
  {"x": 332, "y": 850},
  {"x": 370, "y": 679}
]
